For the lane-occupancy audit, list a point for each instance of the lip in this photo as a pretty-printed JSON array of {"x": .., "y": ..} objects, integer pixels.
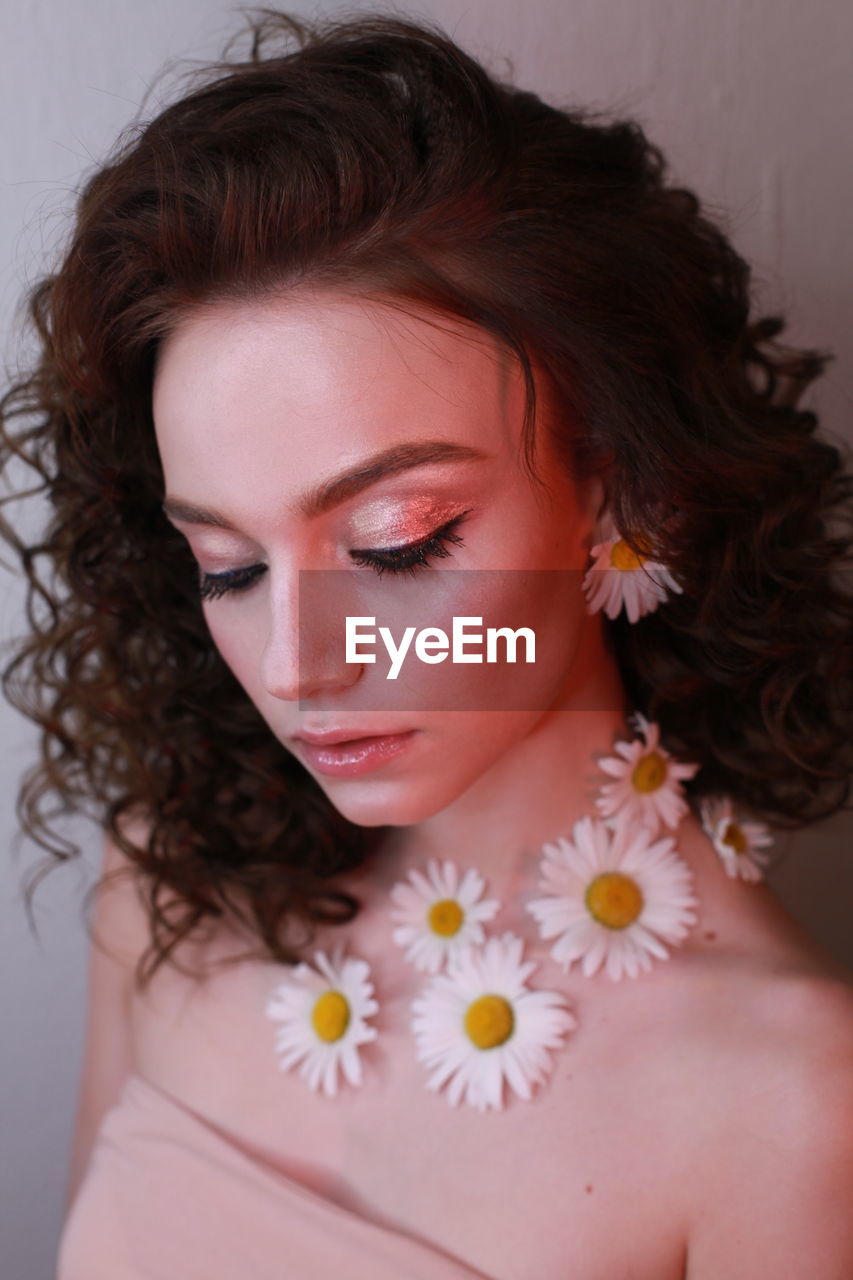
[
  {"x": 331, "y": 737},
  {"x": 349, "y": 757}
]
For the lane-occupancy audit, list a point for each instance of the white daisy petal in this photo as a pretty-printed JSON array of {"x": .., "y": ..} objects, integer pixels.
[
  {"x": 470, "y": 888},
  {"x": 422, "y": 884},
  {"x": 330, "y": 1076},
  {"x": 594, "y": 957},
  {"x": 516, "y": 1076},
  {"x": 740, "y": 845},
  {"x": 490, "y": 1080},
  {"x": 443, "y": 877},
  {"x": 439, "y": 916},
  {"x": 648, "y": 789},
  {"x": 322, "y": 1011},
  {"x": 635, "y": 900},
  {"x": 497, "y": 1030},
  {"x": 611, "y": 765}
]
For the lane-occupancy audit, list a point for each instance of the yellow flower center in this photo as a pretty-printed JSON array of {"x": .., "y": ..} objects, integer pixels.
[
  {"x": 735, "y": 837},
  {"x": 649, "y": 773},
  {"x": 330, "y": 1016},
  {"x": 489, "y": 1021},
  {"x": 614, "y": 900},
  {"x": 445, "y": 917},
  {"x": 622, "y": 557}
]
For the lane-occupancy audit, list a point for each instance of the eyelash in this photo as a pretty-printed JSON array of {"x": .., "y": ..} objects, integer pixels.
[
  {"x": 416, "y": 555},
  {"x": 213, "y": 585},
  {"x": 407, "y": 559}
]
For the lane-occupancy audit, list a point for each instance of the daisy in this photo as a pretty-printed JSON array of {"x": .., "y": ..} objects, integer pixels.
[
  {"x": 739, "y": 844},
  {"x": 478, "y": 1025},
  {"x": 437, "y": 917},
  {"x": 323, "y": 1012},
  {"x": 618, "y": 576},
  {"x": 648, "y": 788},
  {"x": 614, "y": 898}
]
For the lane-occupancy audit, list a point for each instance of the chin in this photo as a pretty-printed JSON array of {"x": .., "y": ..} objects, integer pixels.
[{"x": 395, "y": 804}]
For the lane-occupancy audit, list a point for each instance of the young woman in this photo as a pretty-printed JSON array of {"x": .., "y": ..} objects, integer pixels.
[{"x": 471, "y": 971}]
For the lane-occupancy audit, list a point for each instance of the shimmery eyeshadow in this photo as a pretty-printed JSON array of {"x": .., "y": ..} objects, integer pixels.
[{"x": 389, "y": 522}]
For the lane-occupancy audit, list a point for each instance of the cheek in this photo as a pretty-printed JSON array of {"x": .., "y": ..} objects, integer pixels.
[
  {"x": 547, "y": 603},
  {"x": 236, "y": 643},
  {"x": 529, "y": 530}
]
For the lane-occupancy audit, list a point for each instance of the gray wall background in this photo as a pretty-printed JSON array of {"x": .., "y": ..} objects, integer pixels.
[{"x": 751, "y": 101}]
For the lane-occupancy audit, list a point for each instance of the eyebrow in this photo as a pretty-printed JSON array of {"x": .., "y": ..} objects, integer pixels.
[{"x": 401, "y": 457}]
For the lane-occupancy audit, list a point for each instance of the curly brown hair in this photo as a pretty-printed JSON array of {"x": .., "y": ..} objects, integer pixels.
[{"x": 374, "y": 155}]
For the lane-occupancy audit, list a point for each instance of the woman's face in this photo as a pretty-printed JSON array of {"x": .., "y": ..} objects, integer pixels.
[{"x": 312, "y": 431}]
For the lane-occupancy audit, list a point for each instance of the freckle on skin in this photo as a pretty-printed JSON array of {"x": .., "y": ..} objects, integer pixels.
[
  {"x": 588, "y": 1187},
  {"x": 710, "y": 936}
]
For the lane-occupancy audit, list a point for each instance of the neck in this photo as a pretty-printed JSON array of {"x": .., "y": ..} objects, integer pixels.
[{"x": 534, "y": 792}]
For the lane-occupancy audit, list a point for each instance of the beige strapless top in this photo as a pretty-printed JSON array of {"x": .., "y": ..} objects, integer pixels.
[{"x": 167, "y": 1196}]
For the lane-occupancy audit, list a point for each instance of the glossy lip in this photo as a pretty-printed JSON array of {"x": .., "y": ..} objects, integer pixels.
[
  {"x": 352, "y": 756},
  {"x": 330, "y": 737}
]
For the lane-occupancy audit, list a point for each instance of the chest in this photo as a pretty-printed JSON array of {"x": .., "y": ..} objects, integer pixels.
[{"x": 578, "y": 1181}]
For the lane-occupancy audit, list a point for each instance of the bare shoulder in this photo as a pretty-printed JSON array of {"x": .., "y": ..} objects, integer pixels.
[
  {"x": 758, "y": 991},
  {"x": 119, "y": 934},
  {"x": 769, "y": 1043},
  {"x": 746, "y": 921},
  {"x": 120, "y": 925},
  {"x": 773, "y": 1171}
]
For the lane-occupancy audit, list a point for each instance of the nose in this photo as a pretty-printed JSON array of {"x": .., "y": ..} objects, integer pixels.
[{"x": 304, "y": 655}]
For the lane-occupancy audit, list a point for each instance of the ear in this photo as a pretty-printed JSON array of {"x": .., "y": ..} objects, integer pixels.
[{"x": 594, "y": 505}]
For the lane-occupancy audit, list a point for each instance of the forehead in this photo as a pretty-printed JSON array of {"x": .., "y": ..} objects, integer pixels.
[
  {"x": 327, "y": 361},
  {"x": 257, "y": 403}
]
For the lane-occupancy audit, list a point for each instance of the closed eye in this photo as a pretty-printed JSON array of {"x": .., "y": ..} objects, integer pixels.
[
  {"x": 414, "y": 555},
  {"x": 406, "y": 559},
  {"x": 213, "y": 585}
]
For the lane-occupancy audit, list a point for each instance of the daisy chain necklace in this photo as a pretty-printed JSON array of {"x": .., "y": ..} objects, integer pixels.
[{"x": 615, "y": 896}]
